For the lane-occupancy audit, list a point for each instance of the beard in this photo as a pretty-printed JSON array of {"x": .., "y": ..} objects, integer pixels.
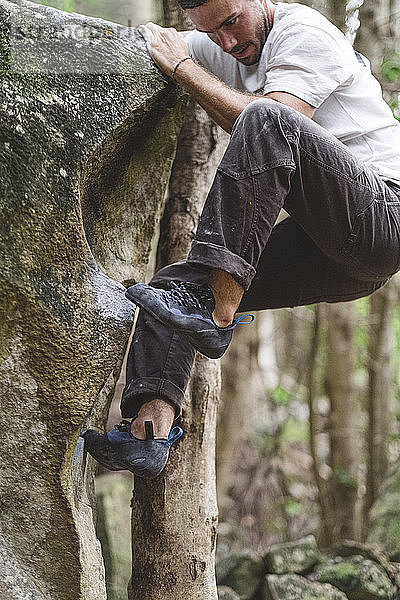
[
  {"x": 261, "y": 35},
  {"x": 260, "y": 38}
]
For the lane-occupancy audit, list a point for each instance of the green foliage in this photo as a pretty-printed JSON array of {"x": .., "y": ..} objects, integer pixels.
[
  {"x": 66, "y": 5},
  {"x": 345, "y": 478},
  {"x": 294, "y": 430},
  {"x": 293, "y": 508},
  {"x": 280, "y": 396},
  {"x": 277, "y": 526},
  {"x": 390, "y": 67}
]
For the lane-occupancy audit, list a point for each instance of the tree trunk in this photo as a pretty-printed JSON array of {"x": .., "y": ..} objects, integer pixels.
[
  {"x": 372, "y": 37},
  {"x": 344, "y": 423},
  {"x": 238, "y": 415},
  {"x": 175, "y": 517},
  {"x": 381, "y": 377},
  {"x": 312, "y": 386},
  {"x": 338, "y": 14}
]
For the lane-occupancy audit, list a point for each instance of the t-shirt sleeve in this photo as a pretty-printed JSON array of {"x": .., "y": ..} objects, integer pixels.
[{"x": 306, "y": 62}]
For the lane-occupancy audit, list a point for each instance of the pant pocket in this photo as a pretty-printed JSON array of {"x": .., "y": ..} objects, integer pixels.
[{"x": 372, "y": 249}]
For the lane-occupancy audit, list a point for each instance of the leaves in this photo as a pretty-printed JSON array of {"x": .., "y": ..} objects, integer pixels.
[{"x": 390, "y": 67}]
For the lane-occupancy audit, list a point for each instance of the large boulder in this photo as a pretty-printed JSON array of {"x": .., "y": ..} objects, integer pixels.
[
  {"x": 241, "y": 571},
  {"x": 358, "y": 577},
  {"x": 292, "y": 557},
  {"x": 227, "y": 593},
  {"x": 88, "y": 132},
  {"x": 295, "y": 587}
]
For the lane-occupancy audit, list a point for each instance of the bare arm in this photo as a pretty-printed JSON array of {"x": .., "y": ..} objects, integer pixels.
[{"x": 221, "y": 102}]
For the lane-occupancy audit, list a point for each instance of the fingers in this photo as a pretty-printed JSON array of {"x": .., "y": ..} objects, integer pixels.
[
  {"x": 157, "y": 28},
  {"x": 147, "y": 35},
  {"x": 165, "y": 45}
]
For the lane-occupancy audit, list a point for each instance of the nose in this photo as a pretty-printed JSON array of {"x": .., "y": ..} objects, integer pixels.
[{"x": 226, "y": 40}]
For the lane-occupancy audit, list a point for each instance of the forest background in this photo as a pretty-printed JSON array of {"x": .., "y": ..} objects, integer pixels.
[{"x": 309, "y": 417}]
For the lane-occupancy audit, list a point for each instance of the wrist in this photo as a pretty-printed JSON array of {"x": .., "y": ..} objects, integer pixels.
[{"x": 178, "y": 64}]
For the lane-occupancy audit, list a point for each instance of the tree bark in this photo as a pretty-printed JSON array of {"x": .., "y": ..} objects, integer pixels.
[
  {"x": 338, "y": 14},
  {"x": 372, "y": 37},
  {"x": 344, "y": 423},
  {"x": 381, "y": 377},
  {"x": 175, "y": 517},
  {"x": 312, "y": 386},
  {"x": 237, "y": 416}
]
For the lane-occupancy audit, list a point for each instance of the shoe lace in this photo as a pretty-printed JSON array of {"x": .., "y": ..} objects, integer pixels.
[
  {"x": 189, "y": 295},
  {"x": 240, "y": 320},
  {"x": 196, "y": 296},
  {"x": 174, "y": 434}
]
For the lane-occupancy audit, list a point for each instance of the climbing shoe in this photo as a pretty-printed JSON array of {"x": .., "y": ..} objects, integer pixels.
[
  {"x": 187, "y": 308},
  {"x": 119, "y": 449}
]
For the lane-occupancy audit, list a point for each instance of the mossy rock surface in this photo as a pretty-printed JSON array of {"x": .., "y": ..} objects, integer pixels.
[
  {"x": 241, "y": 571},
  {"x": 359, "y": 578},
  {"x": 85, "y": 155},
  {"x": 294, "y": 557},
  {"x": 227, "y": 593},
  {"x": 384, "y": 527},
  {"x": 295, "y": 587}
]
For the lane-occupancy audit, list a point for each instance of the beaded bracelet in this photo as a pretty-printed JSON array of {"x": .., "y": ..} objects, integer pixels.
[{"x": 179, "y": 63}]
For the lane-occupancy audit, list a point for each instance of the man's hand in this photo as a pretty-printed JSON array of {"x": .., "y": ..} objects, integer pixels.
[{"x": 165, "y": 45}]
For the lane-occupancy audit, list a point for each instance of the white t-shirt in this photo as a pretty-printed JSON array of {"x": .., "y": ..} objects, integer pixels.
[{"x": 305, "y": 55}]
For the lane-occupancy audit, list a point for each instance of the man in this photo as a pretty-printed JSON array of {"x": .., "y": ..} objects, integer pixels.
[{"x": 309, "y": 133}]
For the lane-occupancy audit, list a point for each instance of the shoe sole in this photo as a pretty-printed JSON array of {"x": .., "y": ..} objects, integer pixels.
[{"x": 165, "y": 317}]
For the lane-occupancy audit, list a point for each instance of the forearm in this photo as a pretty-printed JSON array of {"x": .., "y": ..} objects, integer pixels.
[{"x": 221, "y": 102}]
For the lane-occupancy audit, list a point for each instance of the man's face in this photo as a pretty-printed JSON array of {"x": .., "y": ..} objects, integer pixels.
[{"x": 239, "y": 27}]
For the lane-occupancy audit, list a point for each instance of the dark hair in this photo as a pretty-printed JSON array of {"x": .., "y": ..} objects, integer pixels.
[{"x": 191, "y": 3}]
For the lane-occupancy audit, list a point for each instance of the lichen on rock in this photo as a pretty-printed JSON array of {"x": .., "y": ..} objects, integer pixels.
[
  {"x": 295, "y": 587},
  {"x": 293, "y": 557},
  {"x": 360, "y": 578},
  {"x": 86, "y": 150}
]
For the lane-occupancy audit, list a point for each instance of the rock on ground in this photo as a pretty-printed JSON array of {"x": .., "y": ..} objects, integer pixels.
[
  {"x": 242, "y": 572},
  {"x": 227, "y": 593},
  {"x": 359, "y": 578},
  {"x": 295, "y": 587},
  {"x": 293, "y": 557}
]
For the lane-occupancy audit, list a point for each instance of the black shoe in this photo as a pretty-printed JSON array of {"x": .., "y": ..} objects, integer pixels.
[
  {"x": 187, "y": 308},
  {"x": 119, "y": 450}
]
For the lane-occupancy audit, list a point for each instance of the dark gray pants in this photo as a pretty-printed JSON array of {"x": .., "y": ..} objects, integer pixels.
[{"x": 340, "y": 243}]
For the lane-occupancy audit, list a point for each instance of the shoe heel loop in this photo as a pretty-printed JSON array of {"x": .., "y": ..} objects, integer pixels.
[
  {"x": 174, "y": 435},
  {"x": 240, "y": 320},
  {"x": 148, "y": 426}
]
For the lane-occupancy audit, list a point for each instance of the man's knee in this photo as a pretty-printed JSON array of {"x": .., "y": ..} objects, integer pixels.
[
  {"x": 264, "y": 115},
  {"x": 263, "y": 108}
]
